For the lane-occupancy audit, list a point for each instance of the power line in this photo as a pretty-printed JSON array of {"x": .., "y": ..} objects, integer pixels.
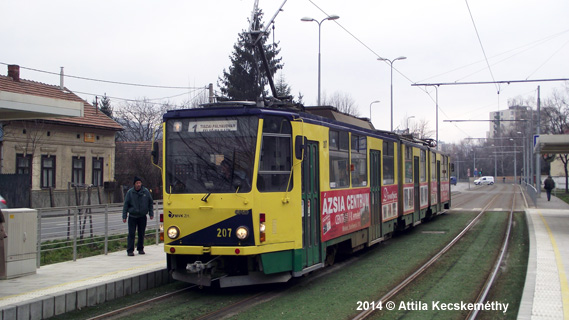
[
  {"x": 487, "y": 82},
  {"x": 481, "y": 46},
  {"x": 108, "y": 81}
]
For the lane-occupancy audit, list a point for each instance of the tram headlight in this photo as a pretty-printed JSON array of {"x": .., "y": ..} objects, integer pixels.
[
  {"x": 242, "y": 233},
  {"x": 173, "y": 232}
]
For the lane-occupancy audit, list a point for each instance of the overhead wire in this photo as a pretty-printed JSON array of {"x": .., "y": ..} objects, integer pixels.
[
  {"x": 481, "y": 45},
  {"x": 107, "y": 81},
  {"x": 547, "y": 60},
  {"x": 527, "y": 47}
]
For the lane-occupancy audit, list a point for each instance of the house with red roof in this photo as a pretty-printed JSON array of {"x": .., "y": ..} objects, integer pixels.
[{"x": 57, "y": 153}]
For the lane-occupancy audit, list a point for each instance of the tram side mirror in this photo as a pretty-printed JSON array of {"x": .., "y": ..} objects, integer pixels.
[
  {"x": 298, "y": 147},
  {"x": 452, "y": 167},
  {"x": 155, "y": 154}
]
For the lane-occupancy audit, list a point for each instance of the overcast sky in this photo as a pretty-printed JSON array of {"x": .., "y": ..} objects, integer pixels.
[{"x": 188, "y": 43}]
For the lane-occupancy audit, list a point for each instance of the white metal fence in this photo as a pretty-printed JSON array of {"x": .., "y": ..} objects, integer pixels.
[{"x": 65, "y": 227}]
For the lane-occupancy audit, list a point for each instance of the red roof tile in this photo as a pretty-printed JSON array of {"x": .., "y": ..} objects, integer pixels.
[{"x": 91, "y": 116}]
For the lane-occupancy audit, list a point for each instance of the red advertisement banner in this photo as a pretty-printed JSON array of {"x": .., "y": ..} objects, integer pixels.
[
  {"x": 434, "y": 192},
  {"x": 389, "y": 196},
  {"x": 445, "y": 191},
  {"x": 344, "y": 211}
]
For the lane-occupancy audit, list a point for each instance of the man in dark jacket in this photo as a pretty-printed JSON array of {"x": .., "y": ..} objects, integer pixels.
[
  {"x": 137, "y": 203},
  {"x": 548, "y": 185}
]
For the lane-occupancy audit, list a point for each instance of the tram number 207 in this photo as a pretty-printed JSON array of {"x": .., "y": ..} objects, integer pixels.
[{"x": 223, "y": 232}]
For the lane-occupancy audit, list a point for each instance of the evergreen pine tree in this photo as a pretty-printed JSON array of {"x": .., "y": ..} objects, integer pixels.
[
  {"x": 245, "y": 75},
  {"x": 104, "y": 105}
]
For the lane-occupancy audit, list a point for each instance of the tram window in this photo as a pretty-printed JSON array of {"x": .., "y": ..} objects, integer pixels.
[
  {"x": 339, "y": 159},
  {"x": 196, "y": 148},
  {"x": 339, "y": 174},
  {"x": 334, "y": 140},
  {"x": 423, "y": 164},
  {"x": 388, "y": 163},
  {"x": 359, "y": 161},
  {"x": 408, "y": 164},
  {"x": 276, "y": 155},
  {"x": 344, "y": 141},
  {"x": 444, "y": 168},
  {"x": 433, "y": 166}
]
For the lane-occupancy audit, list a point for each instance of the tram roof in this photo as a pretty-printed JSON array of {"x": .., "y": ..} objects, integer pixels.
[{"x": 322, "y": 115}]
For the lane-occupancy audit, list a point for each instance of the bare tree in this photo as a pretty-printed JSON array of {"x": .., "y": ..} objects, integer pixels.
[
  {"x": 421, "y": 129},
  {"x": 34, "y": 134},
  {"x": 140, "y": 119},
  {"x": 342, "y": 101}
]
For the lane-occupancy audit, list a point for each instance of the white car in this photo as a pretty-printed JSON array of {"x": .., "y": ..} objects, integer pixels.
[{"x": 484, "y": 180}]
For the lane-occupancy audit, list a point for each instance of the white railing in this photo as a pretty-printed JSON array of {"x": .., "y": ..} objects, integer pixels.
[{"x": 66, "y": 227}]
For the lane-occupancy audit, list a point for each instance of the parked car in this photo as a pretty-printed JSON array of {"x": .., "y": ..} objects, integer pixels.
[
  {"x": 453, "y": 180},
  {"x": 484, "y": 180},
  {"x": 3, "y": 203}
]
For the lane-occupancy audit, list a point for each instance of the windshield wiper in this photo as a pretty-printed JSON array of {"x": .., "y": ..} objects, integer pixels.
[{"x": 204, "y": 198}]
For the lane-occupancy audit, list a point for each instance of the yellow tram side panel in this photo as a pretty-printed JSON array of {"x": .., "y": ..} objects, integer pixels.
[
  {"x": 387, "y": 214},
  {"x": 283, "y": 211}
]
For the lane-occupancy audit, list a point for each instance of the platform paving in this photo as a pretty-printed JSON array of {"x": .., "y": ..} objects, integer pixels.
[
  {"x": 546, "y": 291},
  {"x": 67, "y": 286}
]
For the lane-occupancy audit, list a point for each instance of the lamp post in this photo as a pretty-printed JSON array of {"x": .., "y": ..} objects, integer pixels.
[
  {"x": 411, "y": 117},
  {"x": 376, "y": 101},
  {"x": 391, "y": 65},
  {"x": 524, "y": 155},
  {"x": 515, "y": 161},
  {"x": 308, "y": 19}
]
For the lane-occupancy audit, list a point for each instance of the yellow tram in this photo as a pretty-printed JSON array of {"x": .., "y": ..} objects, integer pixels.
[{"x": 259, "y": 195}]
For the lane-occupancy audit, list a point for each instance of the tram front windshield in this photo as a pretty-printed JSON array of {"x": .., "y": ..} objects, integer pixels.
[{"x": 210, "y": 155}]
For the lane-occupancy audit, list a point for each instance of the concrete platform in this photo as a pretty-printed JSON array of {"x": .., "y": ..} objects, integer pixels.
[
  {"x": 546, "y": 291},
  {"x": 67, "y": 286}
]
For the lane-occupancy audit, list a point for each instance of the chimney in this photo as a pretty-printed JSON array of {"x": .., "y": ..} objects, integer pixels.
[
  {"x": 14, "y": 72},
  {"x": 61, "y": 79}
]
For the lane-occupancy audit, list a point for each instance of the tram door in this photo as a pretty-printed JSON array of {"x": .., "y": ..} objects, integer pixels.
[
  {"x": 416, "y": 190},
  {"x": 375, "y": 196},
  {"x": 311, "y": 205}
]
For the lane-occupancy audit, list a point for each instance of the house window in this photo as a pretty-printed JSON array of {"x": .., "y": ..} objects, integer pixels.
[
  {"x": 23, "y": 164},
  {"x": 47, "y": 171},
  {"x": 97, "y": 172},
  {"x": 78, "y": 173}
]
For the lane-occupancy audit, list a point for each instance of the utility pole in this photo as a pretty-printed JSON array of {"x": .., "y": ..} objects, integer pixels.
[{"x": 537, "y": 154}]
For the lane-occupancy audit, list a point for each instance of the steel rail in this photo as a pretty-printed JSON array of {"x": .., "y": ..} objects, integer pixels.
[
  {"x": 490, "y": 281},
  {"x": 366, "y": 313}
]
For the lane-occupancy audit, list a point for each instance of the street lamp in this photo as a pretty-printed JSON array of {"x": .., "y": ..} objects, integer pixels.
[
  {"x": 515, "y": 161},
  {"x": 376, "y": 101},
  {"x": 308, "y": 19},
  {"x": 411, "y": 117},
  {"x": 391, "y": 65},
  {"x": 524, "y": 155}
]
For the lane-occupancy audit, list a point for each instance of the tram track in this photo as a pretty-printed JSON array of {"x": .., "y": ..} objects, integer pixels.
[
  {"x": 496, "y": 268},
  {"x": 365, "y": 314},
  {"x": 267, "y": 295}
]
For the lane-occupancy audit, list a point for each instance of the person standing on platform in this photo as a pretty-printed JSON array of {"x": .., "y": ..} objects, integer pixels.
[
  {"x": 549, "y": 185},
  {"x": 137, "y": 204}
]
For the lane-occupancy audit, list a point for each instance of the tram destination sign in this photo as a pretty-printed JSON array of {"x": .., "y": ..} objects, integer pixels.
[{"x": 212, "y": 126}]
